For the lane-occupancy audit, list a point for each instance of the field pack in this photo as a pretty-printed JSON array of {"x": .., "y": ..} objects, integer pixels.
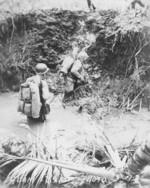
[{"x": 29, "y": 100}]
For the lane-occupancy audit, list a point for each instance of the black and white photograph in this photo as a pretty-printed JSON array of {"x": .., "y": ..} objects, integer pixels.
[{"x": 74, "y": 93}]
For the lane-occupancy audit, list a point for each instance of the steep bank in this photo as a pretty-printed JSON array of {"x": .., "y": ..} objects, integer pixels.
[
  {"x": 118, "y": 52},
  {"x": 25, "y": 38}
]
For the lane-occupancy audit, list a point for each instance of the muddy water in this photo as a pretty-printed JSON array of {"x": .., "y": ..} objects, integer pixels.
[
  {"x": 120, "y": 128},
  {"x": 9, "y": 118},
  {"x": 13, "y": 123}
]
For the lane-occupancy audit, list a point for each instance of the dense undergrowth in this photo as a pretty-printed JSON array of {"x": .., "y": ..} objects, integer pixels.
[
  {"x": 118, "y": 65},
  {"x": 118, "y": 58},
  {"x": 32, "y": 38}
]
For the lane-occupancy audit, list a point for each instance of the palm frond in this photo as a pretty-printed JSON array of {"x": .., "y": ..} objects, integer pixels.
[
  {"x": 19, "y": 174},
  {"x": 38, "y": 167},
  {"x": 33, "y": 172},
  {"x": 38, "y": 174},
  {"x": 48, "y": 176}
]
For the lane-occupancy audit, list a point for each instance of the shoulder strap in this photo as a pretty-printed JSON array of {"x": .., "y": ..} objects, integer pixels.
[{"x": 41, "y": 92}]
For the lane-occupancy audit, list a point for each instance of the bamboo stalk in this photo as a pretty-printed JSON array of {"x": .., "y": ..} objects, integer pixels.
[{"x": 101, "y": 172}]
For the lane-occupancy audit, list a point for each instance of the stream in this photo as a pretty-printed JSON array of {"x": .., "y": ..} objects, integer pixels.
[{"x": 120, "y": 128}]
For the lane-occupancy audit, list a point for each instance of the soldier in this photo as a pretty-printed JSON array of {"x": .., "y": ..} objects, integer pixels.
[
  {"x": 72, "y": 71},
  {"x": 35, "y": 96},
  {"x": 91, "y": 5}
]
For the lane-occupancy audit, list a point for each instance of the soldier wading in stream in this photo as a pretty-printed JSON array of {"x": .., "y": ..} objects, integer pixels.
[
  {"x": 72, "y": 71},
  {"x": 34, "y": 95}
]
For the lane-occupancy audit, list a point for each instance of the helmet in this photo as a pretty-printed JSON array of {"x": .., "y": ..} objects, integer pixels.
[{"x": 41, "y": 68}]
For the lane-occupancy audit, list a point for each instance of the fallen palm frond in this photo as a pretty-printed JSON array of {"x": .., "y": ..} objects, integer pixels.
[
  {"x": 77, "y": 165},
  {"x": 33, "y": 171},
  {"x": 91, "y": 155},
  {"x": 101, "y": 172},
  {"x": 23, "y": 170},
  {"x": 36, "y": 171}
]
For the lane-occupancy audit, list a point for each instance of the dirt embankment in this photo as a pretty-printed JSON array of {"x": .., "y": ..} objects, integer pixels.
[{"x": 32, "y": 38}]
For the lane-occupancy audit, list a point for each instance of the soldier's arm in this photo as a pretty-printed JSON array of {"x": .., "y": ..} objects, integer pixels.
[
  {"x": 67, "y": 63},
  {"x": 76, "y": 70},
  {"x": 47, "y": 95}
]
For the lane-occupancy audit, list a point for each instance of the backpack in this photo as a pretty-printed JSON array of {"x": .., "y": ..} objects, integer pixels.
[
  {"x": 29, "y": 100},
  {"x": 25, "y": 100},
  {"x": 69, "y": 85}
]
